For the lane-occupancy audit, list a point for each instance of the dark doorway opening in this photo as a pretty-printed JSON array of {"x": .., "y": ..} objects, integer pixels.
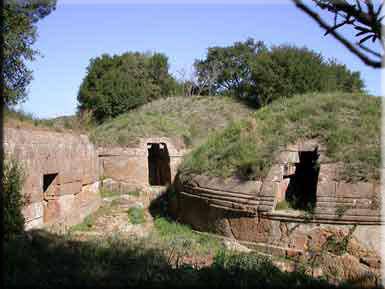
[
  {"x": 301, "y": 192},
  {"x": 158, "y": 164},
  {"x": 49, "y": 182}
]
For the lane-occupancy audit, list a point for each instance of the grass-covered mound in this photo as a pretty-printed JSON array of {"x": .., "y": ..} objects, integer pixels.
[
  {"x": 348, "y": 125},
  {"x": 191, "y": 118}
]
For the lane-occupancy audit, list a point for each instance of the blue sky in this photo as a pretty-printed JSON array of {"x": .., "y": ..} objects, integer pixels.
[{"x": 74, "y": 33}]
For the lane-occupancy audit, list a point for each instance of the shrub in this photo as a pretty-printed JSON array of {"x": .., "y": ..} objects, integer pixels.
[
  {"x": 116, "y": 84},
  {"x": 13, "y": 200},
  {"x": 257, "y": 74},
  {"x": 286, "y": 70}
]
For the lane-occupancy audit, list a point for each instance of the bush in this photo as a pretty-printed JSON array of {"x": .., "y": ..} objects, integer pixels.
[
  {"x": 13, "y": 199},
  {"x": 257, "y": 74},
  {"x": 116, "y": 84},
  {"x": 287, "y": 70}
]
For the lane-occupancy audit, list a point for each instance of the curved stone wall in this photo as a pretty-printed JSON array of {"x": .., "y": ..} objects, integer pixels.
[
  {"x": 248, "y": 211},
  {"x": 242, "y": 210}
]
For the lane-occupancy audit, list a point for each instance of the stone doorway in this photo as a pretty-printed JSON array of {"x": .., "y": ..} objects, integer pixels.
[
  {"x": 301, "y": 192},
  {"x": 159, "y": 172},
  {"x": 49, "y": 183},
  {"x": 50, "y": 193}
]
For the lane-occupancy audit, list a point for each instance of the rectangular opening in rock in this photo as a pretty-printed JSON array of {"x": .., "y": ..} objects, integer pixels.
[
  {"x": 159, "y": 172},
  {"x": 301, "y": 192},
  {"x": 49, "y": 183}
]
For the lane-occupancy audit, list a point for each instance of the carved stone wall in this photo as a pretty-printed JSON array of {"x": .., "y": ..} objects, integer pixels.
[
  {"x": 129, "y": 165},
  {"x": 246, "y": 211},
  {"x": 61, "y": 175}
]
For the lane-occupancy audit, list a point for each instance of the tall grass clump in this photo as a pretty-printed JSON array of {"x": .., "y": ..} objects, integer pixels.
[
  {"x": 347, "y": 125},
  {"x": 13, "y": 199}
]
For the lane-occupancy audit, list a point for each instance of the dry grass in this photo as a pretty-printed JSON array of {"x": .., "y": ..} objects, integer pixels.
[{"x": 21, "y": 119}]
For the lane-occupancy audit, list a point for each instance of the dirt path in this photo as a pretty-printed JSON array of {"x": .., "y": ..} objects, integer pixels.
[{"x": 112, "y": 218}]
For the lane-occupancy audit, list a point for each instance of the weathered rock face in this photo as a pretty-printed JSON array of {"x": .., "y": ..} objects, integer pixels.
[
  {"x": 133, "y": 167},
  {"x": 61, "y": 175}
]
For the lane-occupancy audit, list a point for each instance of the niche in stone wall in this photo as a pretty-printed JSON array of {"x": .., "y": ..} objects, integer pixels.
[
  {"x": 50, "y": 188},
  {"x": 50, "y": 184},
  {"x": 301, "y": 192},
  {"x": 159, "y": 171}
]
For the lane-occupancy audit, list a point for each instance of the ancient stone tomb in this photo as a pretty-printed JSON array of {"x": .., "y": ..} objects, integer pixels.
[
  {"x": 257, "y": 213},
  {"x": 61, "y": 175},
  {"x": 151, "y": 162}
]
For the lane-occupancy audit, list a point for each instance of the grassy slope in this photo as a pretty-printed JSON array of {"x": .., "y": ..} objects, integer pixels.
[
  {"x": 189, "y": 117},
  {"x": 20, "y": 119},
  {"x": 348, "y": 125}
]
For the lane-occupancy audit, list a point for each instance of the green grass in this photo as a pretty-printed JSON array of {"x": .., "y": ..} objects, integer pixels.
[
  {"x": 48, "y": 260},
  {"x": 184, "y": 238},
  {"x": 348, "y": 125},
  {"x": 89, "y": 221},
  {"x": 283, "y": 205},
  {"x": 136, "y": 215},
  {"x": 189, "y": 118},
  {"x": 85, "y": 225},
  {"x": 107, "y": 193}
]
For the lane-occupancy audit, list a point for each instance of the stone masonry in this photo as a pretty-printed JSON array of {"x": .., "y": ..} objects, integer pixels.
[
  {"x": 128, "y": 167},
  {"x": 61, "y": 175}
]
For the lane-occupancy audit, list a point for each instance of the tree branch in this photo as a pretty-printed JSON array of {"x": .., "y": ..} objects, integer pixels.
[{"x": 364, "y": 58}]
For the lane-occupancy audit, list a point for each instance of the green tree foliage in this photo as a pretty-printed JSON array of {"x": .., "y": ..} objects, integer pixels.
[
  {"x": 19, "y": 32},
  {"x": 228, "y": 68},
  {"x": 12, "y": 198},
  {"x": 285, "y": 70},
  {"x": 257, "y": 74},
  {"x": 116, "y": 84}
]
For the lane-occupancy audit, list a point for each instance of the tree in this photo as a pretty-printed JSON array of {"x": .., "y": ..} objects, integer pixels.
[
  {"x": 116, "y": 84},
  {"x": 363, "y": 16},
  {"x": 257, "y": 74},
  {"x": 285, "y": 70},
  {"x": 227, "y": 68},
  {"x": 19, "y": 34}
]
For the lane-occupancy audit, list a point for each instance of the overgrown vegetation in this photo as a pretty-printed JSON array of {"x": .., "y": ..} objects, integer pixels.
[
  {"x": 136, "y": 215},
  {"x": 107, "y": 193},
  {"x": 348, "y": 125},
  {"x": 191, "y": 118},
  {"x": 253, "y": 72},
  {"x": 184, "y": 238},
  {"x": 46, "y": 260},
  {"x": 116, "y": 84},
  {"x": 89, "y": 221},
  {"x": 13, "y": 200}
]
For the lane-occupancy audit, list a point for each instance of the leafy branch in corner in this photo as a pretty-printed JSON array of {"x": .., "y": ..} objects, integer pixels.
[{"x": 363, "y": 16}]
